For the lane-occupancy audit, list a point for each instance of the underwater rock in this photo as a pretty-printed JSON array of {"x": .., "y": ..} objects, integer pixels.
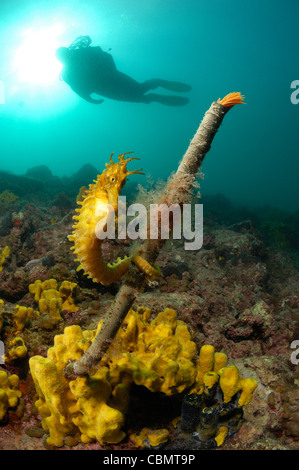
[
  {"x": 217, "y": 300},
  {"x": 244, "y": 226},
  {"x": 175, "y": 268},
  {"x": 14, "y": 285},
  {"x": 238, "y": 247},
  {"x": 40, "y": 172},
  {"x": 8, "y": 198},
  {"x": 85, "y": 174},
  {"x": 213, "y": 302},
  {"x": 63, "y": 202},
  {"x": 19, "y": 185},
  {"x": 292, "y": 427},
  {"x": 35, "y": 431},
  {"x": 253, "y": 323},
  {"x": 48, "y": 261},
  {"x": 6, "y": 224}
]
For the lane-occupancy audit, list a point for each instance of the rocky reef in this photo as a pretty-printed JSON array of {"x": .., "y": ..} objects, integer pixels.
[{"x": 239, "y": 293}]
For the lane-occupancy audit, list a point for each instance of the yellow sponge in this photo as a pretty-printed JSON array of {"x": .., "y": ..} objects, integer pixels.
[
  {"x": 9, "y": 392},
  {"x": 231, "y": 383},
  {"x": 1, "y": 313},
  {"x": 156, "y": 354},
  {"x": 66, "y": 291},
  {"x": 3, "y": 255},
  {"x": 51, "y": 300},
  {"x": 208, "y": 362},
  {"x": 21, "y": 315},
  {"x": 17, "y": 349},
  {"x": 155, "y": 437}
]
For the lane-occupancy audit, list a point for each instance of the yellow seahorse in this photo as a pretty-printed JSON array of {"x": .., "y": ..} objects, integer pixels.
[{"x": 94, "y": 207}]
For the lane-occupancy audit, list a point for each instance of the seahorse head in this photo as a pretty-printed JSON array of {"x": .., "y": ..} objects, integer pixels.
[{"x": 114, "y": 177}]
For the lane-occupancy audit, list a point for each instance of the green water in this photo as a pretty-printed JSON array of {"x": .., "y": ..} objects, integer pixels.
[{"x": 215, "y": 46}]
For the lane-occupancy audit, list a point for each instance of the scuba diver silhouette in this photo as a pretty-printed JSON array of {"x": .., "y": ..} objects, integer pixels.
[{"x": 90, "y": 70}]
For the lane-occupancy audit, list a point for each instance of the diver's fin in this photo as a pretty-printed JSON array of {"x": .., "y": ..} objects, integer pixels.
[
  {"x": 159, "y": 82},
  {"x": 174, "y": 86},
  {"x": 168, "y": 100}
]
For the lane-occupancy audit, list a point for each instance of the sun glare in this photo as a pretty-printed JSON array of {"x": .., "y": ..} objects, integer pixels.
[{"x": 35, "y": 59}]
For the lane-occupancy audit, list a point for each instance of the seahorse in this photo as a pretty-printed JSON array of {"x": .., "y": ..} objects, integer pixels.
[{"x": 94, "y": 207}]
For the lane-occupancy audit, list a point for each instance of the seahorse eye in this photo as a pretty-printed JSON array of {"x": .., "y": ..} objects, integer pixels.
[{"x": 112, "y": 180}]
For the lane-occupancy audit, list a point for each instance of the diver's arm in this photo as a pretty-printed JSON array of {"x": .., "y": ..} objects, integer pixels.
[
  {"x": 87, "y": 97},
  {"x": 92, "y": 100}
]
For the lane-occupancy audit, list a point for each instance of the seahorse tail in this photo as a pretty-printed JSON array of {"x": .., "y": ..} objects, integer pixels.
[
  {"x": 145, "y": 267},
  {"x": 115, "y": 271},
  {"x": 89, "y": 255}
]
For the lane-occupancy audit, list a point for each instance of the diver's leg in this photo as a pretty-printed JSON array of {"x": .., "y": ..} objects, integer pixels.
[
  {"x": 119, "y": 86},
  {"x": 168, "y": 85},
  {"x": 167, "y": 100}
]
